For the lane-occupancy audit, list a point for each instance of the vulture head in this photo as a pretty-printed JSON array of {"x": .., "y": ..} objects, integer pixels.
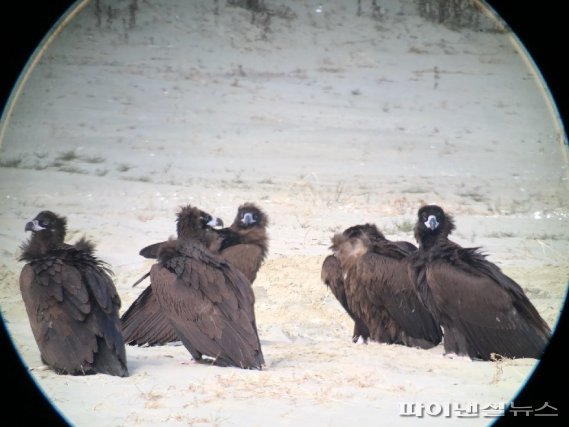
[
  {"x": 191, "y": 222},
  {"x": 368, "y": 230},
  {"x": 432, "y": 222},
  {"x": 365, "y": 233},
  {"x": 249, "y": 215},
  {"x": 353, "y": 242},
  {"x": 49, "y": 226},
  {"x": 48, "y": 232}
]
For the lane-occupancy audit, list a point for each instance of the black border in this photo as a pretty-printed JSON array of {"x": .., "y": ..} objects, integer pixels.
[
  {"x": 23, "y": 26},
  {"x": 20, "y": 392},
  {"x": 541, "y": 29}
]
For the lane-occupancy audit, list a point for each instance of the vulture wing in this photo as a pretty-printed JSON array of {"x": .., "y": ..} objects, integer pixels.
[
  {"x": 331, "y": 275},
  {"x": 73, "y": 313},
  {"x": 144, "y": 323},
  {"x": 151, "y": 251},
  {"x": 211, "y": 307},
  {"x": 387, "y": 284},
  {"x": 485, "y": 311}
]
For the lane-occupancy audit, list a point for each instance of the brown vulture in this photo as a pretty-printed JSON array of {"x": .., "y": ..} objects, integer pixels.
[
  {"x": 209, "y": 302},
  {"x": 244, "y": 244},
  {"x": 144, "y": 323},
  {"x": 482, "y": 311},
  {"x": 71, "y": 301},
  {"x": 333, "y": 277},
  {"x": 378, "y": 291}
]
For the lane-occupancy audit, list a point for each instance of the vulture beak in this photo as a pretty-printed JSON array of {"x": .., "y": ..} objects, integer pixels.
[
  {"x": 33, "y": 226},
  {"x": 431, "y": 222},
  {"x": 248, "y": 219},
  {"x": 215, "y": 222}
]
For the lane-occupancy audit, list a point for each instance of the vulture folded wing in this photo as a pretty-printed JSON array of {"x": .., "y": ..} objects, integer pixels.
[
  {"x": 387, "y": 282},
  {"x": 61, "y": 316},
  {"x": 372, "y": 313},
  {"x": 520, "y": 299},
  {"x": 210, "y": 307},
  {"x": 331, "y": 275},
  {"x": 106, "y": 304},
  {"x": 490, "y": 317}
]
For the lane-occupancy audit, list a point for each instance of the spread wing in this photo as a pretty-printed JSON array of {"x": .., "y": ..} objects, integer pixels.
[
  {"x": 387, "y": 284},
  {"x": 144, "y": 323},
  {"x": 486, "y": 311},
  {"x": 211, "y": 307},
  {"x": 73, "y": 313}
]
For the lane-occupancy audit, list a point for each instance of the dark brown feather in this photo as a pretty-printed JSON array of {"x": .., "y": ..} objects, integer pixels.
[
  {"x": 370, "y": 280},
  {"x": 331, "y": 275},
  {"x": 209, "y": 303},
  {"x": 144, "y": 323},
  {"x": 71, "y": 301},
  {"x": 482, "y": 311},
  {"x": 380, "y": 293},
  {"x": 244, "y": 245}
]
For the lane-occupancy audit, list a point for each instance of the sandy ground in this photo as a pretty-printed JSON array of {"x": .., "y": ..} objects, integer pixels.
[{"x": 326, "y": 120}]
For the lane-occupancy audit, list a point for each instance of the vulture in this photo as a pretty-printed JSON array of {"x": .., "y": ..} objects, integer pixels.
[
  {"x": 208, "y": 302},
  {"x": 333, "y": 277},
  {"x": 483, "y": 312},
  {"x": 144, "y": 323},
  {"x": 71, "y": 302},
  {"x": 378, "y": 290},
  {"x": 244, "y": 244}
]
